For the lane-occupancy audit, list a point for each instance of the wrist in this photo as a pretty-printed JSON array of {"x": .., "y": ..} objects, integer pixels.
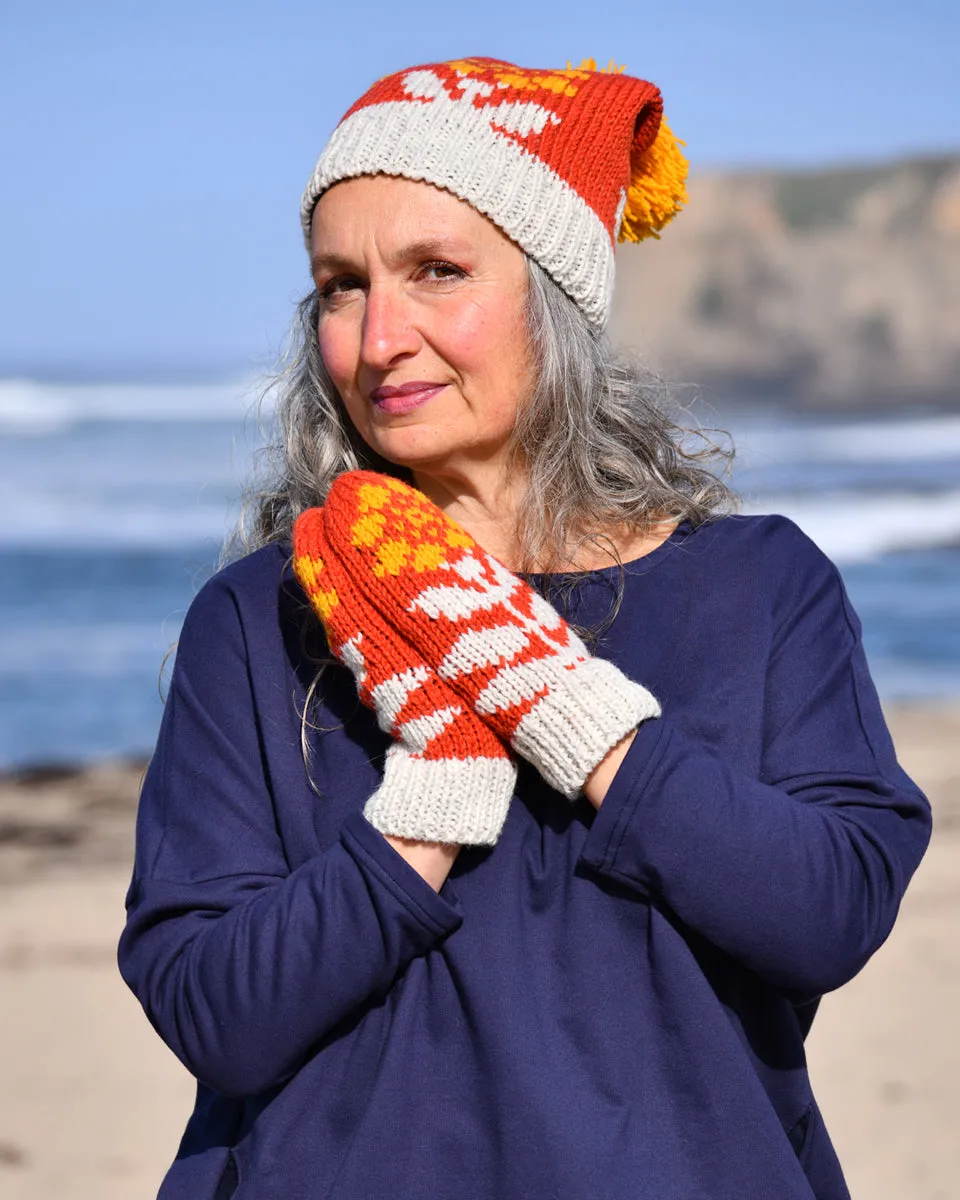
[
  {"x": 442, "y": 801},
  {"x": 598, "y": 781},
  {"x": 431, "y": 860},
  {"x": 585, "y": 714}
]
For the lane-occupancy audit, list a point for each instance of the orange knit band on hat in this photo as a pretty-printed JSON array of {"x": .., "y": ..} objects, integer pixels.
[{"x": 565, "y": 162}]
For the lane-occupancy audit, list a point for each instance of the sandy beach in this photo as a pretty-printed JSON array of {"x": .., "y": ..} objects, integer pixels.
[{"x": 92, "y": 1104}]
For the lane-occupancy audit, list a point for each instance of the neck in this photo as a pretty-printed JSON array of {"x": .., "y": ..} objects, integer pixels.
[{"x": 483, "y": 503}]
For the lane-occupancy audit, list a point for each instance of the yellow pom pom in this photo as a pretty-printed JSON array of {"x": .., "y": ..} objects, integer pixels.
[
  {"x": 657, "y": 188},
  {"x": 590, "y": 64}
]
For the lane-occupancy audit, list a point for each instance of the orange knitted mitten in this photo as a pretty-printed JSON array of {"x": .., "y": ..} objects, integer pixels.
[
  {"x": 447, "y": 777},
  {"x": 497, "y": 643}
]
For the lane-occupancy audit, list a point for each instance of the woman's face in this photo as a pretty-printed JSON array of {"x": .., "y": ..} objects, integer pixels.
[{"x": 421, "y": 322}]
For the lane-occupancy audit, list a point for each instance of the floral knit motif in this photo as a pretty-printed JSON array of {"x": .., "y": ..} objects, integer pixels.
[
  {"x": 447, "y": 778},
  {"x": 494, "y": 640},
  {"x": 565, "y": 162}
]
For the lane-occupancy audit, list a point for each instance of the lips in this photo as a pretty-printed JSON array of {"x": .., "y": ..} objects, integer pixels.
[{"x": 406, "y": 397}]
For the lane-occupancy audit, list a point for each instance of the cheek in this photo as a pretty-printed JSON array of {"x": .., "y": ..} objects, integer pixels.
[
  {"x": 339, "y": 350},
  {"x": 507, "y": 361},
  {"x": 488, "y": 339}
]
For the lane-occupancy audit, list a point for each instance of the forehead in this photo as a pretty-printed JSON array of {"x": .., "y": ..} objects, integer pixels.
[{"x": 399, "y": 210}]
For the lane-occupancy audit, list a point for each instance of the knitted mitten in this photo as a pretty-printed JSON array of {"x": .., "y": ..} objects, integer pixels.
[
  {"x": 447, "y": 777},
  {"x": 498, "y": 643}
]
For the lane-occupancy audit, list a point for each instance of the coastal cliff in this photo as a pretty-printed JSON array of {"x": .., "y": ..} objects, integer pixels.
[{"x": 825, "y": 287}]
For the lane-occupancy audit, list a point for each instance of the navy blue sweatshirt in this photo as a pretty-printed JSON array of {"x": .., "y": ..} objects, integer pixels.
[{"x": 604, "y": 1006}]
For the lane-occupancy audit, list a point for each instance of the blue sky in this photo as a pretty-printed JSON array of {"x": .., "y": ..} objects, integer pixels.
[{"x": 153, "y": 155}]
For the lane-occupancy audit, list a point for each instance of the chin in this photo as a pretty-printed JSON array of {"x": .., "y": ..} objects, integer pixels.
[{"x": 416, "y": 454}]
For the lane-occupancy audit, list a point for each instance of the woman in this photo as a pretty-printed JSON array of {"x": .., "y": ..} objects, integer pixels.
[{"x": 475, "y": 912}]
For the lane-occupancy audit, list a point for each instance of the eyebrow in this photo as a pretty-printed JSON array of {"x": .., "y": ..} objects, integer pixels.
[{"x": 426, "y": 248}]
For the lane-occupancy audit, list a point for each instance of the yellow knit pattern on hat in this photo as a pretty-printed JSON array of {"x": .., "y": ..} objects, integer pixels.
[{"x": 565, "y": 161}]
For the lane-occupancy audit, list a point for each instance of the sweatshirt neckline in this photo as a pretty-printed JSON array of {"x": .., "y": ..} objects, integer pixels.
[{"x": 633, "y": 566}]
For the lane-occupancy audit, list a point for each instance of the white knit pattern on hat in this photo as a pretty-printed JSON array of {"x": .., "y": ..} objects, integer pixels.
[{"x": 445, "y": 140}]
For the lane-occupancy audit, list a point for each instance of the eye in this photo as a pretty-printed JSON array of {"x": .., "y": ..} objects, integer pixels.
[
  {"x": 439, "y": 271},
  {"x": 337, "y": 288}
]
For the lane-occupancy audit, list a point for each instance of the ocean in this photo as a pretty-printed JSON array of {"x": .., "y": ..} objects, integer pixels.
[{"x": 115, "y": 501}]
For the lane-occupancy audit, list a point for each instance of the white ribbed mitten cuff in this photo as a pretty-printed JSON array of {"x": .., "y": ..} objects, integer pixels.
[
  {"x": 462, "y": 802},
  {"x": 587, "y": 711}
]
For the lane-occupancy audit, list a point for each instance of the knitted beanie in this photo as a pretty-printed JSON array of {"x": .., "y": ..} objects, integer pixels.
[{"x": 565, "y": 162}]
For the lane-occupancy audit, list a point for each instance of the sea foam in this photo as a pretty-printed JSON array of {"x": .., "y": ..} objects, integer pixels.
[
  {"x": 850, "y": 527},
  {"x": 28, "y": 406}
]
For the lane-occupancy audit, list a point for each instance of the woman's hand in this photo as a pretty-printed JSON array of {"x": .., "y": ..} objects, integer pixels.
[
  {"x": 600, "y": 778},
  {"x": 431, "y": 860},
  {"x": 490, "y": 637},
  {"x": 447, "y": 778}
]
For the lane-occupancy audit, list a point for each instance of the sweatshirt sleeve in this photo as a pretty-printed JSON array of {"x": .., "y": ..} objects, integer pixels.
[
  {"x": 798, "y": 871},
  {"x": 241, "y": 964}
]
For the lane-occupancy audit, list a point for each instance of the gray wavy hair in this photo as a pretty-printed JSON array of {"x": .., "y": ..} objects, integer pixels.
[{"x": 599, "y": 452}]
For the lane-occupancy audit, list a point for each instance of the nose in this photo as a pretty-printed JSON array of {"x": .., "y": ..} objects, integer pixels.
[{"x": 389, "y": 332}]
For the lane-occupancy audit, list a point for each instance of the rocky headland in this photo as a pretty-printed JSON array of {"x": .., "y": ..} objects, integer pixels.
[{"x": 833, "y": 288}]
